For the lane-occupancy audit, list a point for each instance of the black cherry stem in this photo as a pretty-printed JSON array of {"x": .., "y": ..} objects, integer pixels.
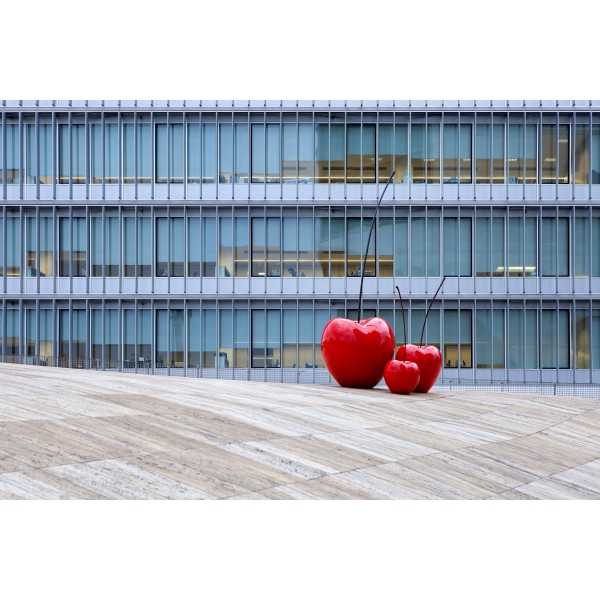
[
  {"x": 402, "y": 309},
  {"x": 364, "y": 265},
  {"x": 429, "y": 308}
]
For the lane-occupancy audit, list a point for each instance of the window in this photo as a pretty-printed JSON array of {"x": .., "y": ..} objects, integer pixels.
[
  {"x": 306, "y": 247},
  {"x": 266, "y": 247},
  {"x": 209, "y": 246},
  {"x": 555, "y": 246},
  {"x": 555, "y": 339},
  {"x": 266, "y": 338},
  {"x": 595, "y": 339},
  {"x": 129, "y": 249},
  {"x": 12, "y": 341},
  {"x": 104, "y": 152},
  {"x": 225, "y": 247},
  {"x": 41, "y": 262},
  {"x": 71, "y": 153},
  {"x": 177, "y": 247},
  {"x": 401, "y": 246},
  {"x": 105, "y": 246},
  {"x": 209, "y": 153},
  {"x": 170, "y": 247},
  {"x": 425, "y": 245},
  {"x": 45, "y": 349},
  {"x": 96, "y": 246},
  {"x": 522, "y": 350},
  {"x": 306, "y": 152},
  {"x": 595, "y": 154},
  {"x": 72, "y": 235},
  {"x": 582, "y": 153},
  {"x": 194, "y": 247},
  {"x": 39, "y": 153},
  {"x": 226, "y": 171},
  {"x": 418, "y": 152},
  {"x": 289, "y": 152},
  {"x": 194, "y": 339},
  {"x": 360, "y": 153},
  {"x": 595, "y": 255},
  {"x": 385, "y": 144},
  {"x": 431, "y": 334},
  {"x": 129, "y": 144},
  {"x": 355, "y": 245},
  {"x": 522, "y": 246},
  {"x": 241, "y": 250},
  {"x": 12, "y": 171},
  {"x": 321, "y": 246},
  {"x": 451, "y": 156},
  {"x": 457, "y": 338},
  {"x": 322, "y": 151},
  {"x": 490, "y": 338},
  {"x": 242, "y": 149},
  {"x": 177, "y": 339},
  {"x": 401, "y": 152},
  {"x": 433, "y": 153},
  {"x": 555, "y": 153},
  {"x": 266, "y": 160},
  {"x": 144, "y": 153},
  {"x": 457, "y": 246},
  {"x": 233, "y": 254},
  {"x": 169, "y": 153},
  {"x": 582, "y": 339},
  {"x": 13, "y": 245},
  {"x": 483, "y": 151},
  {"x": 170, "y": 338},
  {"x": 385, "y": 247},
  {"x": 306, "y": 355},
  {"x": 290, "y": 247},
  {"x": 337, "y": 151},
  {"x": 489, "y": 257},
  {"x": 209, "y": 338},
  {"x": 581, "y": 246},
  {"x": 162, "y": 247},
  {"x": 321, "y": 318},
  {"x": 240, "y": 339},
  {"x": 290, "y": 338},
  {"x": 162, "y": 339}
]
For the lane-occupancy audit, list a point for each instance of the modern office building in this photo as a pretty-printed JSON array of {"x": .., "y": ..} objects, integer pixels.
[{"x": 216, "y": 239}]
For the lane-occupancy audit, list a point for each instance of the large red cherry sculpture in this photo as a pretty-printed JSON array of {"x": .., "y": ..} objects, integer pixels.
[
  {"x": 428, "y": 359},
  {"x": 356, "y": 353},
  {"x": 401, "y": 376}
]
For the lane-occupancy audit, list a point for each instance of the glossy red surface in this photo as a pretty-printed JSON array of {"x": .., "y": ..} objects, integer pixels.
[
  {"x": 429, "y": 360},
  {"x": 356, "y": 353},
  {"x": 401, "y": 376}
]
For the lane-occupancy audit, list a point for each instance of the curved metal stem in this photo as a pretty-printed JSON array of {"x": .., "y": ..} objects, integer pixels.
[
  {"x": 402, "y": 309},
  {"x": 429, "y": 308},
  {"x": 364, "y": 265}
]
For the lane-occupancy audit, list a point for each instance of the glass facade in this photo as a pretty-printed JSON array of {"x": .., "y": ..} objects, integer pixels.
[
  {"x": 194, "y": 334},
  {"x": 306, "y": 242},
  {"x": 218, "y": 240},
  {"x": 480, "y": 147}
]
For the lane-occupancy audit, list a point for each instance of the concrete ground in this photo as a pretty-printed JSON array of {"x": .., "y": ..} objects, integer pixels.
[{"x": 84, "y": 434}]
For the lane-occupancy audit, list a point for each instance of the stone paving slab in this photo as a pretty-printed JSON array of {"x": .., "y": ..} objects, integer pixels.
[{"x": 75, "y": 434}]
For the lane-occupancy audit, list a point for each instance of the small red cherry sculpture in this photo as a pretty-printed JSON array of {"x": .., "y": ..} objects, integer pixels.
[
  {"x": 428, "y": 359},
  {"x": 401, "y": 376},
  {"x": 356, "y": 353}
]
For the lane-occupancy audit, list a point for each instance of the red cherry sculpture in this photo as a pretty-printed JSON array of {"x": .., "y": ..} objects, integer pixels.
[
  {"x": 428, "y": 359},
  {"x": 356, "y": 353},
  {"x": 401, "y": 376}
]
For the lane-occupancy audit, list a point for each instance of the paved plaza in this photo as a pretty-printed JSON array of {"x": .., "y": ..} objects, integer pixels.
[{"x": 68, "y": 433}]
